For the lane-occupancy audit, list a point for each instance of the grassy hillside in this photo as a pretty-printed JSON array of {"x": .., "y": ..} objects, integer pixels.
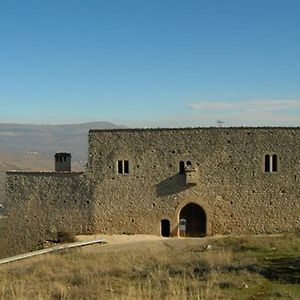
[{"x": 248, "y": 267}]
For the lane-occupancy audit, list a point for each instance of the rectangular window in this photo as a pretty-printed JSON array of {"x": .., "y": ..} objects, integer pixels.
[
  {"x": 123, "y": 167},
  {"x": 126, "y": 167},
  {"x": 267, "y": 163},
  {"x": 274, "y": 162},
  {"x": 271, "y": 163},
  {"x": 120, "y": 166}
]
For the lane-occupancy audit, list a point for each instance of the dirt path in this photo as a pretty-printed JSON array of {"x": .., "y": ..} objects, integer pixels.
[
  {"x": 120, "y": 238},
  {"x": 137, "y": 242}
]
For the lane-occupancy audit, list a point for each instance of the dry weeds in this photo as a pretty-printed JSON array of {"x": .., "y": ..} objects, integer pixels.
[{"x": 234, "y": 268}]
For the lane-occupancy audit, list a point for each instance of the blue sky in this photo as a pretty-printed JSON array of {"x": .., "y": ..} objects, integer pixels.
[{"x": 150, "y": 63}]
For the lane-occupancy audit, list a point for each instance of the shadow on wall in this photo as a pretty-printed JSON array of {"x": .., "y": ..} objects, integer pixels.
[{"x": 172, "y": 185}]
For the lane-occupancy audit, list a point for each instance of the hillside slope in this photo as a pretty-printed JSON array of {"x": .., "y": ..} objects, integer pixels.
[{"x": 48, "y": 139}]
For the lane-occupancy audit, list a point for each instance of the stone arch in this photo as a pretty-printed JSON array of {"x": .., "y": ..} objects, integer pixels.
[{"x": 196, "y": 219}]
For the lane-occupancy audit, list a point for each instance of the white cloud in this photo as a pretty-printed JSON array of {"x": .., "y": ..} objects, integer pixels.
[
  {"x": 245, "y": 118},
  {"x": 252, "y": 105},
  {"x": 246, "y": 113}
]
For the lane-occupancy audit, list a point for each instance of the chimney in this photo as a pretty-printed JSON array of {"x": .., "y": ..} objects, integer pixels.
[{"x": 62, "y": 162}]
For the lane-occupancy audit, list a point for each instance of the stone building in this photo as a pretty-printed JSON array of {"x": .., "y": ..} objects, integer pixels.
[{"x": 219, "y": 180}]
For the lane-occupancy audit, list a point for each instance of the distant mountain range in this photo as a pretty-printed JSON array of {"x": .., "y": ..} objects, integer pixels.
[{"x": 46, "y": 140}]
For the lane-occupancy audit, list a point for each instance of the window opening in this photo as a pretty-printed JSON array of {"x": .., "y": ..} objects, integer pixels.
[
  {"x": 181, "y": 167},
  {"x": 274, "y": 163},
  {"x": 123, "y": 167},
  {"x": 267, "y": 163},
  {"x": 120, "y": 166},
  {"x": 271, "y": 163},
  {"x": 126, "y": 167}
]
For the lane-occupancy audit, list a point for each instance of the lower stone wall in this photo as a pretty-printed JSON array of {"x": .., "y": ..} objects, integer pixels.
[
  {"x": 41, "y": 204},
  {"x": 137, "y": 208}
]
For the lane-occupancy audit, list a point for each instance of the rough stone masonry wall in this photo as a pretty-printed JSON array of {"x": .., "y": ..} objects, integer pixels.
[
  {"x": 41, "y": 204},
  {"x": 232, "y": 187}
]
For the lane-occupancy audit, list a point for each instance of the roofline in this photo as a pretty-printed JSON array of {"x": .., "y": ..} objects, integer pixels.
[
  {"x": 17, "y": 172},
  {"x": 62, "y": 154},
  {"x": 195, "y": 128}
]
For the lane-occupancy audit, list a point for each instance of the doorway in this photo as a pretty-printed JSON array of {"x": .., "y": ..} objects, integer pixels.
[
  {"x": 165, "y": 228},
  {"x": 195, "y": 218}
]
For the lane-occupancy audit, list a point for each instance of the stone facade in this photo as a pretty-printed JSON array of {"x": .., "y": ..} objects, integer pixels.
[
  {"x": 41, "y": 204},
  {"x": 135, "y": 178}
]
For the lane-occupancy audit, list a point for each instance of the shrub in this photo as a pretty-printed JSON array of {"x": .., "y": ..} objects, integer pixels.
[{"x": 65, "y": 236}]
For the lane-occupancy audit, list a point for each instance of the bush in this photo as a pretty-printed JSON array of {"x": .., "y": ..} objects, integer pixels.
[{"x": 65, "y": 236}]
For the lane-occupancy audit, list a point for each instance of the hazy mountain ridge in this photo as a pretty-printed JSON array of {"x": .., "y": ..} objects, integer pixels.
[{"x": 48, "y": 139}]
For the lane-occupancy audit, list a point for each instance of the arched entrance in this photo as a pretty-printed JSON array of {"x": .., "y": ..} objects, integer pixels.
[{"x": 195, "y": 220}]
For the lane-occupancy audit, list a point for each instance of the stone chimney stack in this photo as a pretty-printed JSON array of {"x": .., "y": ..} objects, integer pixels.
[{"x": 63, "y": 162}]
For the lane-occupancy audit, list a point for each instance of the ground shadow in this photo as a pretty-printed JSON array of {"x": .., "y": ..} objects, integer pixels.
[
  {"x": 286, "y": 269},
  {"x": 172, "y": 185}
]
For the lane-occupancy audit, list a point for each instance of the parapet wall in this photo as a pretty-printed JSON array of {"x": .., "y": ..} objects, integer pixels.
[{"x": 43, "y": 203}]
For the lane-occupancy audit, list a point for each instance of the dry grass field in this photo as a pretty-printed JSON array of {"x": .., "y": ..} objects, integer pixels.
[{"x": 246, "y": 267}]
